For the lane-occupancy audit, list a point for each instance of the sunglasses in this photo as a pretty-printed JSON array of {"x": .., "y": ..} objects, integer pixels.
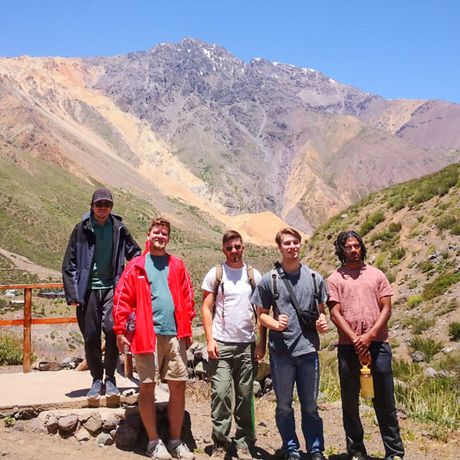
[
  {"x": 103, "y": 204},
  {"x": 237, "y": 247}
]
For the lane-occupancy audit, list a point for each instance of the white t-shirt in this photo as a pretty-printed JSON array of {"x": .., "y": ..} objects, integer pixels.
[{"x": 234, "y": 317}]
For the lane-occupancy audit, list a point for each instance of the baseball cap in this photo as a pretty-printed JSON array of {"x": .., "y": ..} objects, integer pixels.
[{"x": 101, "y": 194}]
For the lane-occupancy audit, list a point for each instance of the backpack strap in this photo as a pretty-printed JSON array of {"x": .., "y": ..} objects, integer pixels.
[
  {"x": 251, "y": 280},
  {"x": 218, "y": 280}
]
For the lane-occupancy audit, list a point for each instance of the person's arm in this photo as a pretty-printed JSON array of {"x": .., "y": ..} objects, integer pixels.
[
  {"x": 123, "y": 304},
  {"x": 340, "y": 322},
  {"x": 69, "y": 270},
  {"x": 132, "y": 249},
  {"x": 364, "y": 341},
  {"x": 321, "y": 323},
  {"x": 269, "y": 322},
  {"x": 261, "y": 346},
  {"x": 207, "y": 310}
]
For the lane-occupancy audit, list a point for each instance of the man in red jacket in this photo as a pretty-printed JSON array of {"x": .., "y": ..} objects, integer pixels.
[{"x": 157, "y": 288}]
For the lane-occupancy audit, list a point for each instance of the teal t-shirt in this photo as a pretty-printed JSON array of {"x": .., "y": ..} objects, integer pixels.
[
  {"x": 157, "y": 271},
  {"x": 101, "y": 271}
]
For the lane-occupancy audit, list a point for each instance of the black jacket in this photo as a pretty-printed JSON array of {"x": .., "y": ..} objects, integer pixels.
[{"x": 78, "y": 259}]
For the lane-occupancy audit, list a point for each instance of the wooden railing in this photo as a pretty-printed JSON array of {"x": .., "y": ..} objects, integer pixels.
[
  {"x": 27, "y": 322},
  {"x": 27, "y": 319}
]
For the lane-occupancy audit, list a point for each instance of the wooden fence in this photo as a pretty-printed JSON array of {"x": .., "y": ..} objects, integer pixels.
[{"x": 27, "y": 319}]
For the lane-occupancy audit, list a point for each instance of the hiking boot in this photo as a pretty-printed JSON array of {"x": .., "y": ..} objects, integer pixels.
[
  {"x": 317, "y": 456},
  {"x": 357, "y": 456},
  {"x": 243, "y": 453},
  {"x": 219, "y": 452},
  {"x": 157, "y": 450},
  {"x": 110, "y": 387},
  {"x": 95, "y": 391},
  {"x": 180, "y": 450},
  {"x": 292, "y": 455}
]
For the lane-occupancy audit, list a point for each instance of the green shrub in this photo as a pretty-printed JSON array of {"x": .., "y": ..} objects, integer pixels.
[
  {"x": 10, "y": 350},
  {"x": 440, "y": 285},
  {"x": 455, "y": 229},
  {"x": 427, "y": 346},
  {"x": 414, "y": 300},
  {"x": 454, "y": 331},
  {"x": 397, "y": 254},
  {"x": 448, "y": 307},
  {"x": 420, "y": 325},
  {"x": 413, "y": 284},
  {"x": 371, "y": 221},
  {"x": 446, "y": 222},
  {"x": 425, "y": 266}
]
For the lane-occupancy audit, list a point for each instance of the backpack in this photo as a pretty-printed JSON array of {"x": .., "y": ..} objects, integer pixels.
[
  {"x": 220, "y": 272},
  {"x": 218, "y": 282}
]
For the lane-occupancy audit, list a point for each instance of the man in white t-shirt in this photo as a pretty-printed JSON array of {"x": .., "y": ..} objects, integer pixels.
[{"x": 229, "y": 322}]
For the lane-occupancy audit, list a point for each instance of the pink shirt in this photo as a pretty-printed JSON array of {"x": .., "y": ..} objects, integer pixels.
[{"x": 359, "y": 293}]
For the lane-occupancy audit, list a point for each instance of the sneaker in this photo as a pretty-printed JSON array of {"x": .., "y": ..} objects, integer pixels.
[
  {"x": 397, "y": 457},
  {"x": 218, "y": 452},
  {"x": 293, "y": 455},
  {"x": 317, "y": 456},
  {"x": 357, "y": 456},
  {"x": 110, "y": 388},
  {"x": 157, "y": 450},
  {"x": 243, "y": 453},
  {"x": 96, "y": 389},
  {"x": 181, "y": 451}
]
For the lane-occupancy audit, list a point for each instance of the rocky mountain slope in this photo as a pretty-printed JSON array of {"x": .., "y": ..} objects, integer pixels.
[
  {"x": 412, "y": 233},
  {"x": 189, "y": 121}
]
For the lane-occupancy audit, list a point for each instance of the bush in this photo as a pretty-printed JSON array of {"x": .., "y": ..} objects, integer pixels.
[
  {"x": 371, "y": 222},
  {"x": 10, "y": 350},
  {"x": 420, "y": 324},
  {"x": 414, "y": 300},
  {"x": 454, "y": 331},
  {"x": 446, "y": 222},
  {"x": 428, "y": 347},
  {"x": 440, "y": 285}
]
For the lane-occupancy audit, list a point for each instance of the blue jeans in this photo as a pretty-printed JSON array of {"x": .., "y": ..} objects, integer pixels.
[
  {"x": 384, "y": 401},
  {"x": 304, "y": 372}
]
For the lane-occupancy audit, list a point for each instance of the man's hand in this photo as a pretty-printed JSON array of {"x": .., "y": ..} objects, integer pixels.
[
  {"x": 260, "y": 350},
  {"x": 122, "y": 342},
  {"x": 362, "y": 343},
  {"x": 321, "y": 324},
  {"x": 282, "y": 322},
  {"x": 75, "y": 304},
  {"x": 213, "y": 349}
]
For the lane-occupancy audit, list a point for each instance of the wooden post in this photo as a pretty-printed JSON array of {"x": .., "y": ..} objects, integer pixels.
[{"x": 27, "y": 341}]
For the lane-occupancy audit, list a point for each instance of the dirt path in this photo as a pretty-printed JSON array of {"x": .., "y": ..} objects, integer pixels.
[{"x": 15, "y": 443}]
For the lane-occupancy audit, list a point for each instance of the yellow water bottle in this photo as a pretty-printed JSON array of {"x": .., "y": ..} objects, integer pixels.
[{"x": 365, "y": 379}]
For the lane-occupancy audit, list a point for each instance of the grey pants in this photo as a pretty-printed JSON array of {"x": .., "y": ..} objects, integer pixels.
[{"x": 234, "y": 371}]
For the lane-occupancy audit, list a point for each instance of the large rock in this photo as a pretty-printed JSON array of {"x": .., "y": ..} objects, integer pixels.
[
  {"x": 82, "y": 435},
  {"x": 104, "y": 439},
  {"x": 94, "y": 423},
  {"x": 126, "y": 436},
  {"x": 68, "y": 424}
]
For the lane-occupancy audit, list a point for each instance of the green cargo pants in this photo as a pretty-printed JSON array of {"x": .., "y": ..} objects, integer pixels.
[{"x": 236, "y": 366}]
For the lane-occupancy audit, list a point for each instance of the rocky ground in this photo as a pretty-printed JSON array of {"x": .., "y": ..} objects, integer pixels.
[{"x": 21, "y": 442}]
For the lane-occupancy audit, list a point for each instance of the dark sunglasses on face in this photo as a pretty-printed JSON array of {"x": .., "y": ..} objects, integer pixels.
[
  {"x": 237, "y": 247},
  {"x": 103, "y": 204}
]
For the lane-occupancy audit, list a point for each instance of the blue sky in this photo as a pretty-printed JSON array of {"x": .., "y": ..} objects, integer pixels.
[{"x": 394, "y": 48}]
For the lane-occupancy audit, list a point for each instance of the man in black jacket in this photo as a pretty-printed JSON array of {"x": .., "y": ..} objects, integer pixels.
[{"x": 92, "y": 266}]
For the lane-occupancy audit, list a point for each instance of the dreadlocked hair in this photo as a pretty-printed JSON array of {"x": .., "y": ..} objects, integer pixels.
[{"x": 339, "y": 244}]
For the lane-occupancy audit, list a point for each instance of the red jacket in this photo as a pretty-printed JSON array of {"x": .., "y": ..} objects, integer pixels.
[{"x": 133, "y": 294}]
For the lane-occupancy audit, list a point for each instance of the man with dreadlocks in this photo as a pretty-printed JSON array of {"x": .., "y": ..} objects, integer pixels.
[{"x": 360, "y": 303}]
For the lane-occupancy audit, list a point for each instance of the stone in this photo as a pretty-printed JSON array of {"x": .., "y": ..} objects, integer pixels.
[
  {"x": 68, "y": 424},
  {"x": 126, "y": 436},
  {"x": 418, "y": 357},
  {"x": 110, "y": 423},
  {"x": 104, "y": 439},
  {"x": 51, "y": 424},
  {"x": 82, "y": 435},
  {"x": 94, "y": 423},
  {"x": 257, "y": 388},
  {"x": 19, "y": 426},
  {"x": 430, "y": 372},
  {"x": 37, "y": 426},
  {"x": 263, "y": 370}
]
